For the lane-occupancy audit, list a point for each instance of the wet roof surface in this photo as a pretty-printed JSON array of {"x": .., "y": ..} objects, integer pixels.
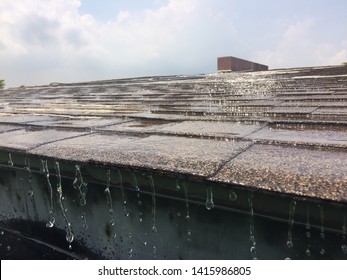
[{"x": 280, "y": 130}]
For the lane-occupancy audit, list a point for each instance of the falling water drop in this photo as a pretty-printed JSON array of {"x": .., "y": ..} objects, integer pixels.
[
  {"x": 51, "y": 222},
  {"x": 2, "y": 232},
  {"x": 189, "y": 233},
  {"x": 130, "y": 253},
  {"x": 290, "y": 224},
  {"x": 232, "y": 195},
  {"x": 84, "y": 219},
  {"x": 308, "y": 252},
  {"x": 8, "y": 248},
  {"x": 68, "y": 228},
  {"x": 177, "y": 185},
  {"x": 154, "y": 252},
  {"x": 209, "y": 198}
]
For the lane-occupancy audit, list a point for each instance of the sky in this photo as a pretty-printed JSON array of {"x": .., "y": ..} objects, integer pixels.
[{"x": 44, "y": 41}]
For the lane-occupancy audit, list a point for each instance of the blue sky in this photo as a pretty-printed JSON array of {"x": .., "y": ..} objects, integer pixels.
[{"x": 43, "y": 41}]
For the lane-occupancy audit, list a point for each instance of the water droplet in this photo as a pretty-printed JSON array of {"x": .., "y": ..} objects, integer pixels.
[
  {"x": 344, "y": 249},
  {"x": 177, "y": 185},
  {"x": 308, "y": 234},
  {"x": 2, "y": 232},
  {"x": 70, "y": 246},
  {"x": 30, "y": 193},
  {"x": 8, "y": 248},
  {"x": 322, "y": 235},
  {"x": 308, "y": 252},
  {"x": 154, "y": 229},
  {"x": 253, "y": 250},
  {"x": 130, "y": 235},
  {"x": 290, "y": 244},
  {"x": 232, "y": 195},
  {"x": 145, "y": 243},
  {"x": 50, "y": 223},
  {"x": 322, "y": 252},
  {"x": 252, "y": 240},
  {"x": 287, "y": 258},
  {"x": 130, "y": 253}
]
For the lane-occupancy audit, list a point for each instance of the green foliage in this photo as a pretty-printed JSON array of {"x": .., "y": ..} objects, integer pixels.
[
  {"x": 344, "y": 63},
  {"x": 2, "y": 84}
]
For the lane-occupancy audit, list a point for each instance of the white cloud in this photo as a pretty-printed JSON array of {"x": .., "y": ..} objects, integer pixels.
[
  {"x": 51, "y": 40},
  {"x": 299, "y": 46},
  {"x": 44, "y": 41}
]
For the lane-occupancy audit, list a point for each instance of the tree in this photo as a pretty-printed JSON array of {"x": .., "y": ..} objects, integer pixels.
[{"x": 2, "y": 84}]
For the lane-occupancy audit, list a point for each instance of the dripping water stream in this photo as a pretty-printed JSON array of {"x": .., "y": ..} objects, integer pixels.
[
  {"x": 154, "y": 226},
  {"x": 290, "y": 224},
  {"x": 322, "y": 231},
  {"x": 138, "y": 195},
  {"x": 308, "y": 233},
  {"x": 45, "y": 169},
  {"x": 344, "y": 231},
  {"x": 126, "y": 213},
  {"x": 209, "y": 198},
  {"x": 108, "y": 197},
  {"x": 253, "y": 248},
  {"x": 69, "y": 234}
]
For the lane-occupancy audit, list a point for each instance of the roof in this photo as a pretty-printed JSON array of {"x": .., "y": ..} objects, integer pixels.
[{"x": 281, "y": 130}]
